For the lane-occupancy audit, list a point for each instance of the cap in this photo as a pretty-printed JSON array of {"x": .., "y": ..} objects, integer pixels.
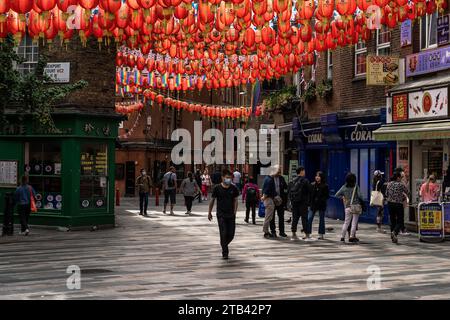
[{"x": 378, "y": 173}]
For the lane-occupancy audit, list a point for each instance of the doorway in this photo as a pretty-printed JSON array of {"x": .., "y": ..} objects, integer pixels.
[{"x": 130, "y": 176}]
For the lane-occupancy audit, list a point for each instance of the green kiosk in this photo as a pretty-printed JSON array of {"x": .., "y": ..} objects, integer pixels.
[{"x": 71, "y": 171}]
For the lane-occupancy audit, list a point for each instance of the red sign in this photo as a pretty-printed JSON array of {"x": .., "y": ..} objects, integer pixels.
[{"x": 400, "y": 108}]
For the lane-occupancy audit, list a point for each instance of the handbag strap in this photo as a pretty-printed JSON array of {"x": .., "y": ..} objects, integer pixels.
[{"x": 353, "y": 195}]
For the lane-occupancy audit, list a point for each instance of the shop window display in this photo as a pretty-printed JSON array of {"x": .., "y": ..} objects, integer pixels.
[
  {"x": 94, "y": 177},
  {"x": 43, "y": 165}
]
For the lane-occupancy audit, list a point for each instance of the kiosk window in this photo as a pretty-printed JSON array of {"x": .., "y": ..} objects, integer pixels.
[
  {"x": 94, "y": 176},
  {"x": 43, "y": 164}
]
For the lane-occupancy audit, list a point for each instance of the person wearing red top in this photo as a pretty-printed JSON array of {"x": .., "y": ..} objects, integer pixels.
[
  {"x": 430, "y": 191},
  {"x": 251, "y": 196}
]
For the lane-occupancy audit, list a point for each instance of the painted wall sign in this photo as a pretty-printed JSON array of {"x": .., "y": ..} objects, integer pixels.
[
  {"x": 405, "y": 33},
  {"x": 59, "y": 72},
  {"x": 382, "y": 70},
  {"x": 428, "y": 104},
  {"x": 443, "y": 30},
  {"x": 400, "y": 107},
  {"x": 428, "y": 61}
]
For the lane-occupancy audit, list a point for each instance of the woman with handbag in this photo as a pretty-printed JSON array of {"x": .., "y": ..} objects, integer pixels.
[
  {"x": 25, "y": 199},
  {"x": 353, "y": 206},
  {"x": 396, "y": 195},
  {"x": 377, "y": 198}
]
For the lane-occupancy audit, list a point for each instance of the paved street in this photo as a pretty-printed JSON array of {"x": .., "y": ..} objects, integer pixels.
[{"x": 179, "y": 257}]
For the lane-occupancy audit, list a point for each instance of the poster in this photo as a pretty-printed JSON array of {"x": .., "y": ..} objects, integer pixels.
[
  {"x": 405, "y": 33},
  {"x": 428, "y": 61},
  {"x": 446, "y": 210},
  {"x": 8, "y": 173},
  {"x": 428, "y": 104},
  {"x": 382, "y": 70},
  {"x": 431, "y": 220},
  {"x": 443, "y": 34},
  {"x": 400, "y": 108}
]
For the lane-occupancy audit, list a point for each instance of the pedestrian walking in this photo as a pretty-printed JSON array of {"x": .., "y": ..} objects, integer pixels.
[
  {"x": 403, "y": 180},
  {"x": 396, "y": 194},
  {"x": 226, "y": 195},
  {"x": 319, "y": 198},
  {"x": 377, "y": 197},
  {"x": 189, "y": 188},
  {"x": 170, "y": 189},
  {"x": 198, "y": 179},
  {"x": 144, "y": 184},
  {"x": 299, "y": 194},
  {"x": 280, "y": 201},
  {"x": 24, "y": 197},
  {"x": 430, "y": 191},
  {"x": 237, "y": 179},
  {"x": 251, "y": 196},
  {"x": 206, "y": 184},
  {"x": 353, "y": 203}
]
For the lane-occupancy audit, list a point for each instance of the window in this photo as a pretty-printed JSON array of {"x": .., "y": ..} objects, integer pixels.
[
  {"x": 360, "y": 58},
  {"x": 29, "y": 51},
  {"x": 428, "y": 31},
  {"x": 329, "y": 64},
  {"x": 43, "y": 164},
  {"x": 363, "y": 164},
  {"x": 383, "y": 41},
  {"x": 94, "y": 176}
]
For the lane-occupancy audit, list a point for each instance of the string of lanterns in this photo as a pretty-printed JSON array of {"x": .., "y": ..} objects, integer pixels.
[
  {"x": 135, "y": 124},
  {"x": 282, "y": 34},
  {"x": 129, "y": 107}
]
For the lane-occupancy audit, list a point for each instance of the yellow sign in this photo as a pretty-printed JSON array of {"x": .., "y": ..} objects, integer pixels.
[
  {"x": 382, "y": 70},
  {"x": 430, "y": 220}
]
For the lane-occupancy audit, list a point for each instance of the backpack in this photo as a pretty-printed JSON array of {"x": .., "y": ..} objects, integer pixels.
[
  {"x": 251, "y": 194},
  {"x": 296, "y": 190},
  {"x": 170, "y": 182}
]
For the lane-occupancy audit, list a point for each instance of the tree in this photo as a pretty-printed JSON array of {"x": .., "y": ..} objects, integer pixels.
[{"x": 32, "y": 93}]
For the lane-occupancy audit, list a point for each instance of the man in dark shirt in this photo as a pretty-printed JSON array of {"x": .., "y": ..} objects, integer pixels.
[{"x": 227, "y": 203}]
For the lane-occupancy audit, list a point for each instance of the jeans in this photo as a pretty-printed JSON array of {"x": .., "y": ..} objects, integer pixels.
[
  {"x": 350, "y": 218},
  {"x": 311, "y": 215},
  {"x": 397, "y": 217},
  {"x": 143, "y": 202},
  {"x": 227, "y": 228},
  {"x": 269, "y": 214},
  {"x": 380, "y": 215},
  {"x": 188, "y": 201},
  {"x": 280, "y": 213},
  {"x": 299, "y": 211},
  {"x": 24, "y": 211},
  {"x": 251, "y": 205}
]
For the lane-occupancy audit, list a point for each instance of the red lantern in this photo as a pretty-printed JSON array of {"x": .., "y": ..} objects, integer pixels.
[
  {"x": 21, "y": 6},
  {"x": 46, "y": 5}
]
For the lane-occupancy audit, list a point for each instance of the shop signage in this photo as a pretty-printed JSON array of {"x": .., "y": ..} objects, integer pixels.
[
  {"x": 405, "y": 33},
  {"x": 428, "y": 104},
  {"x": 8, "y": 173},
  {"x": 400, "y": 107},
  {"x": 431, "y": 221},
  {"x": 59, "y": 72},
  {"x": 361, "y": 135},
  {"x": 315, "y": 138},
  {"x": 443, "y": 26},
  {"x": 382, "y": 70},
  {"x": 90, "y": 128},
  {"x": 293, "y": 165},
  {"x": 446, "y": 210},
  {"x": 428, "y": 61}
]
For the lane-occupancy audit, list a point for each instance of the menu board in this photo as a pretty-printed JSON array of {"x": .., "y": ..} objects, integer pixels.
[
  {"x": 382, "y": 70},
  {"x": 8, "y": 173},
  {"x": 94, "y": 163}
]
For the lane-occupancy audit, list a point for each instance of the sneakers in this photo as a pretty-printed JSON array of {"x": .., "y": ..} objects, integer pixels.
[
  {"x": 140, "y": 213},
  {"x": 353, "y": 240},
  {"x": 171, "y": 213},
  {"x": 405, "y": 233},
  {"x": 379, "y": 230},
  {"x": 294, "y": 236},
  {"x": 343, "y": 240},
  {"x": 267, "y": 235},
  {"x": 188, "y": 213},
  {"x": 320, "y": 237},
  {"x": 394, "y": 237},
  {"x": 26, "y": 232},
  {"x": 309, "y": 239},
  {"x": 246, "y": 220},
  {"x": 283, "y": 235},
  {"x": 164, "y": 211}
]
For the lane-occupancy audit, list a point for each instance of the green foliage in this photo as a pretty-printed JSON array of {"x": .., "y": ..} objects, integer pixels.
[
  {"x": 280, "y": 98},
  {"x": 325, "y": 89},
  {"x": 309, "y": 94},
  {"x": 31, "y": 93}
]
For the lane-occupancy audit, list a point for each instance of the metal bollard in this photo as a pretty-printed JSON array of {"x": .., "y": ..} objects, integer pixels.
[{"x": 117, "y": 197}]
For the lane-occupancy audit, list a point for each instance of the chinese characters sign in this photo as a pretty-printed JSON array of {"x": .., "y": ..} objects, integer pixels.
[
  {"x": 428, "y": 61},
  {"x": 428, "y": 104},
  {"x": 400, "y": 108},
  {"x": 443, "y": 26},
  {"x": 431, "y": 220},
  {"x": 382, "y": 70},
  {"x": 90, "y": 128}
]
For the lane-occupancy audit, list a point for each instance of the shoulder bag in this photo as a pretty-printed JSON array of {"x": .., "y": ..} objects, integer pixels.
[{"x": 355, "y": 208}]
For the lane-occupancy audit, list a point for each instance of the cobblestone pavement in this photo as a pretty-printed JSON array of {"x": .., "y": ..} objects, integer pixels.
[{"x": 179, "y": 257}]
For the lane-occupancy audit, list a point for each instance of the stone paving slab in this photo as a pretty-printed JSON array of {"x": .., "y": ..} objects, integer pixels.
[{"x": 178, "y": 257}]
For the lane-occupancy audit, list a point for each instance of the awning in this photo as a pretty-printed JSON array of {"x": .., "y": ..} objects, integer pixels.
[
  {"x": 413, "y": 131},
  {"x": 424, "y": 84},
  {"x": 284, "y": 127}
]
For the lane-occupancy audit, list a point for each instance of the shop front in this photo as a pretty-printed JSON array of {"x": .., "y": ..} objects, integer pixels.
[
  {"x": 343, "y": 143},
  {"x": 71, "y": 170},
  {"x": 419, "y": 121}
]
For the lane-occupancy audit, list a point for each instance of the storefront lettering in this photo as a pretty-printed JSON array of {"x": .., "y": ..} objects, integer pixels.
[
  {"x": 315, "y": 138},
  {"x": 22, "y": 129},
  {"x": 361, "y": 135}
]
